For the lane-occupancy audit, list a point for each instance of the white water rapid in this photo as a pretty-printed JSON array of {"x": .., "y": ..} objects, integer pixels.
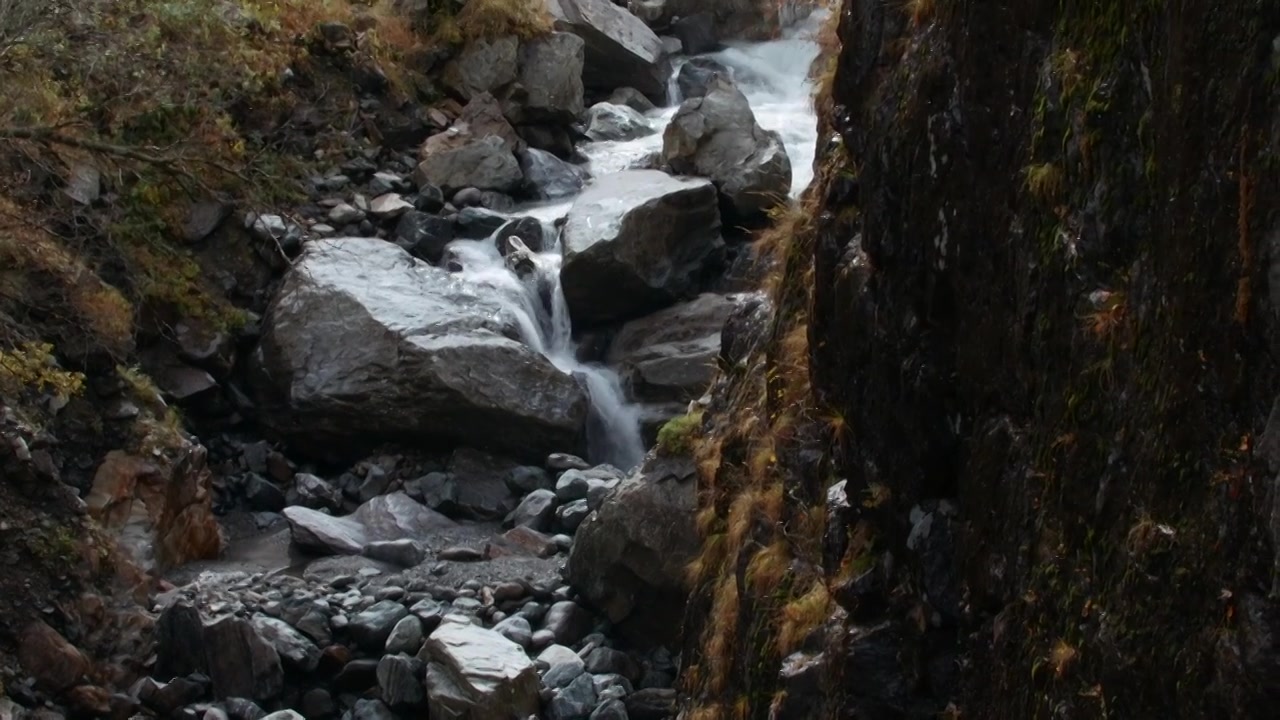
[{"x": 774, "y": 76}]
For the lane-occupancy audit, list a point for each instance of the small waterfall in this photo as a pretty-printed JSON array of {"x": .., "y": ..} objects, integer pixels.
[{"x": 537, "y": 303}]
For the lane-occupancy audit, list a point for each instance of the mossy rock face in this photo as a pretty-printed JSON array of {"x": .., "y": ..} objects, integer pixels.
[
  {"x": 1056, "y": 322},
  {"x": 678, "y": 435}
]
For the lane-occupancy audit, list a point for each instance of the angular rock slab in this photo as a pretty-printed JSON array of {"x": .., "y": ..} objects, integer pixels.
[
  {"x": 365, "y": 344},
  {"x": 634, "y": 242},
  {"x": 716, "y": 136},
  {"x": 478, "y": 674},
  {"x": 385, "y": 518},
  {"x": 620, "y": 49}
]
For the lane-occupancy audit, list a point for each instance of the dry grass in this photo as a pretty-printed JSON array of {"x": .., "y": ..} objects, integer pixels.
[
  {"x": 920, "y": 11},
  {"x": 721, "y": 633},
  {"x": 802, "y": 616},
  {"x": 489, "y": 19},
  {"x": 1044, "y": 181},
  {"x": 768, "y": 567}
]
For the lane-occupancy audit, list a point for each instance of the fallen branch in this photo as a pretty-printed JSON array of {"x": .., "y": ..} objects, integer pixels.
[{"x": 169, "y": 163}]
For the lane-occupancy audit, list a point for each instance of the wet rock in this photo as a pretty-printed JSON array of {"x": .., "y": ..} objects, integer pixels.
[
  {"x": 284, "y": 715},
  {"x": 398, "y": 682},
  {"x": 459, "y": 161},
  {"x": 716, "y": 136},
  {"x": 616, "y": 122},
  {"x": 483, "y": 117},
  {"x": 375, "y": 483},
  {"x": 423, "y": 235},
  {"x": 483, "y": 66},
  {"x": 404, "y": 552},
  {"x": 243, "y": 709},
  {"x": 550, "y": 74},
  {"x": 261, "y": 495},
  {"x": 526, "y": 479},
  {"x": 695, "y": 77},
  {"x": 526, "y": 229},
  {"x": 634, "y": 242},
  {"x": 572, "y": 485},
  {"x": 344, "y": 214},
  {"x": 388, "y": 206},
  {"x": 535, "y": 511},
  {"x": 523, "y": 541},
  {"x": 651, "y": 704},
  {"x": 55, "y": 663},
  {"x": 407, "y": 353},
  {"x": 607, "y": 661},
  {"x": 547, "y": 177},
  {"x": 568, "y": 621},
  {"x": 801, "y": 678},
  {"x": 475, "y": 223},
  {"x": 628, "y": 558},
  {"x": 670, "y": 356},
  {"x": 167, "y": 697},
  {"x": 430, "y": 198},
  {"x": 389, "y": 516},
  {"x": 574, "y": 701},
  {"x": 571, "y": 515},
  {"x": 482, "y": 490},
  {"x": 370, "y": 628},
  {"x": 559, "y": 462},
  {"x": 696, "y": 32},
  {"x": 517, "y": 630},
  {"x": 610, "y": 710},
  {"x": 372, "y": 710},
  {"x": 294, "y": 648},
  {"x": 317, "y": 704},
  {"x": 632, "y": 98},
  {"x": 239, "y": 661},
  {"x": 406, "y": 637},
  {"x": 620, "y": 48},
  {"x": 478, "y": 673},
  {"x": 357, "y": 676},
  {"x": 563, "y": 666}
]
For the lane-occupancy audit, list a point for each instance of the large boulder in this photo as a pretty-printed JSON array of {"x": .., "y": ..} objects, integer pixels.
[
  {"x": 636, "y": 241},
  {"x": 365, "y": 344},
  {"x": 620, "y": 49},
  {"x": 457, "y": 159},
  {"x": 478, "y": 674},
  {"x": 228, "y": 650},
  {"x": 716, "y": 136},
  {"x": 629, "y": 556},
  {"x": 384, "y": 518},
  {"x": 695, "y": 76},
  {"x": 550, "y": 81},
  {"x": 670, "y": 356},
  {"x": 606, "y": 121},
  {"x": 483, "y": 66},
  {"x": 547, "y": 177}
]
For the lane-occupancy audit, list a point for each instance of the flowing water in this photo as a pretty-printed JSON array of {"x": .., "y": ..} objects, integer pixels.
[{"x": 774, "y": 76}]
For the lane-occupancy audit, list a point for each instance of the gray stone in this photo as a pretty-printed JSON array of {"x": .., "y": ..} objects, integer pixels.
[
  {"x": 612, "y": 709},
  {"x": 695, "y": 76},
  {"x": 365, "y": 345},
  {"x": 423, "y": 235},
  {"x": 670, "y": 356},
  {"x": 574, "y": 701},
  {"x": 406, "y": 636},
  {"x": 376, "y": 482},
  {"x": 606, "y": 122},
  {"x": 535, "y": 511},
  {"x": 372, "y": 710},
  {"x": 563, "y": 666},
  {"x": 84, "y": 185},
  {"x": 607, "y": 661},
  {"x": 572, "y": 485},
  {"x": 370, "y": 628},
  {"x": 568, "y": 621},
  {"x": 398, "y": 683},
  {"x": 344, "y": 214},
  {"x": 483, "y": 66},
  {"x": 559, "y": 462},
  {"x": 628, "y": 559},
  {"x": 284, "y": 715},
  {"x": 526, "y": 229},
  {"x": 405, "y": 552},
  {"x": 394, "y": 516},
  {"x": 634, "y": 242},
  {"x": 697, "y": 33},
  {"x": 620, "y": 48},
  {"x": 547, "y": 177},
  {"x": 389, "y": 205},
  {"x": 572, "y": 514},
  {"x": 485, "y": 163},
  {"x": 550, "y": 73},
  {"x": 239, "y": 661},
  {"x": 651, "y": 704},
  {"x": 479, "y": 674},
  {"x": 526, "y": 479},
  {"x": 261, "y": 495},
  {"x": 716, "y": 136},
  {"x": 294, "y": 648},
  {"x": 631, "y": 98},
  {"x": 516, "y": 629}
]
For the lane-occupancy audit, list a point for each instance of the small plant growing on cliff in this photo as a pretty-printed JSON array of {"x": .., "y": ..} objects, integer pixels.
[
  {"x": 677, "y": 436},
  {"x": 920, "y": 11},
  {"x": 1043, "y": 181},
  {"x": 31, "y": 366},
  {"x": 487, "y": 19}
]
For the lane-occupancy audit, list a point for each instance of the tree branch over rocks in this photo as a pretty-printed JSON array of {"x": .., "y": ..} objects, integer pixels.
[{"x": 175, "y": 164}]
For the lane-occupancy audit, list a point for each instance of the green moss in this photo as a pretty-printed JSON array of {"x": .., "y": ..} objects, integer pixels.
[{"x": 678, "y": 435}]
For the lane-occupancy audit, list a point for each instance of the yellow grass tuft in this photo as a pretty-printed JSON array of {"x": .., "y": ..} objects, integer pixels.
[{"x": 802, "y": 616}]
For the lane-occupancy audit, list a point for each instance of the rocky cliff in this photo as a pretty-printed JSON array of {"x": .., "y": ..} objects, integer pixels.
[{"x": 1003, "y": 443}]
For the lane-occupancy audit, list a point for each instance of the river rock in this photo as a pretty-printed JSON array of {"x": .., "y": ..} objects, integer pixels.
[
  {"x": 550, "y": 74},
  {"x": 483, "y": 66},
  {"x": 370, "y": 628},
  {"x": 634, "y": 242},
  {"x": 457, "y": 159},
  {"x": 482, "y": 491},
  {"x": 628, "y": 558},
  {"x": 612, "y": 709},
  {"x": 47, "y": 656},
  {"x": 568, "y": 621},
  {"x": 312, "y": 492},
  {"x": 423, "y": 235},
  {"x": 547, "y": 177},
  {"x": 483, "y": 117},
  {"x": 239, "y": 661},
  {"x": 563, "y": 666},
  {"x": 716, "y": 136},
  {"x": 479, "y": 674},
  {"x": 365, "y": 345},
  {"x": 631, "y": 98},
  {"x": 528, "y": 230},
  {"x": 294, "y": 649},
  {"x": 398, "y": 682},
  {"x": 651, "y": 704},
  {"x": 695, "y": 76},
  {"x": 516, "y": 629},
  {"x": 406, "y": 636},
  {"x": 670, "y": 356},
  {"x": 696, "y": 32},
  {"x": 606, "y": 121},
  {"x": 574, "y": 701},
  {"x": 535, "y": 511},
  {"x": 404, "y": 552},
  {"x": 620, "y": 49},
  {"x": 395, "y": 516}
]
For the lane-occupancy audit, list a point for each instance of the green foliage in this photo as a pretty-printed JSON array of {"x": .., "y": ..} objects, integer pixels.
[
  {"x": 32, "y": 367},
  {"x": 56, "y": 545},
  {"x": 486, "y": 20},
  {"x": 678, "y": 435}
]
